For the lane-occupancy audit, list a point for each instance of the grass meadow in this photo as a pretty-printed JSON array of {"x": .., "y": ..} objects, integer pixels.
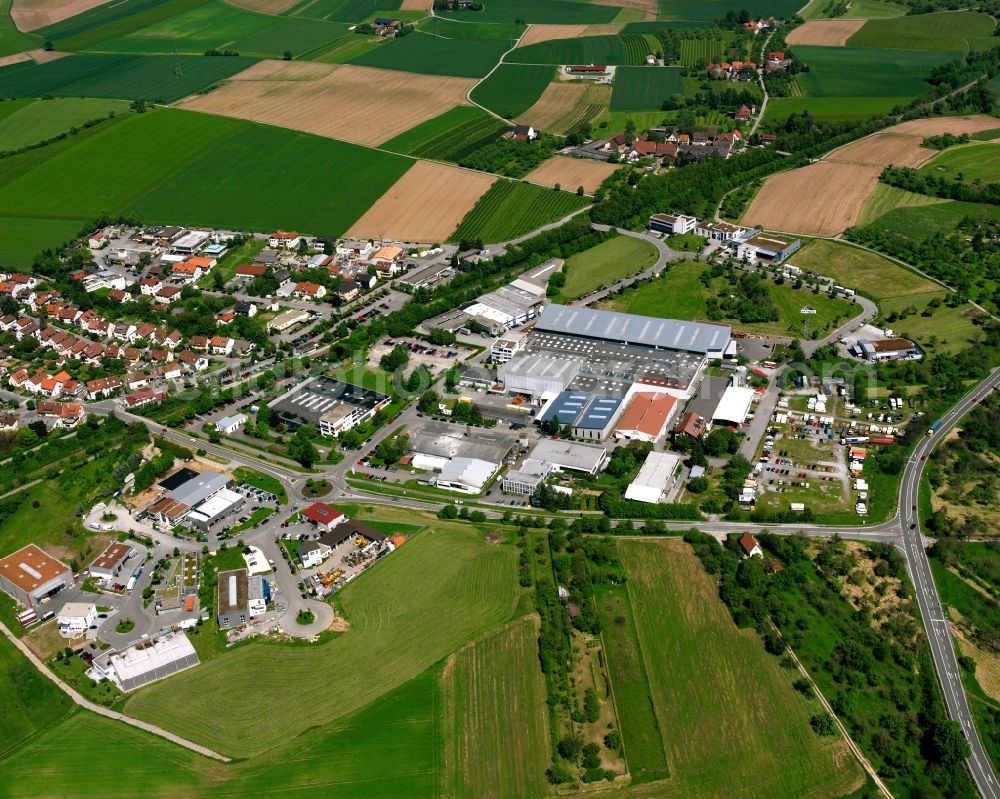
[
  {"x": 190, "y": 168},
  {"x": 831, "y": 109},
  {"x": 922, "y": 221},
  {"x": 511, "y": 208},
  {"x": 945, "y": 330},
  {"x": 866, "y": 72},
  {"x": 126, "y": 77},
  {"x": 11, "y": 39},
  {"x": 25, "y": 237},
  {"x": 606, "y": 263},
  {"x": 949, "y": 30},
  {"x": 721, "y": 701},
  {"x": 644, "y": 88},
  {"x": 549, "y": 12},
  {"x": 429, "y": 55},
  {"x": 886, "y": 198},
  {"x": 495, "y": 718},
  {"x": 38, "y": 120},
  {"x": 450, "y": 29},
  {"x": 396, "y": 633},
  {"x": 513, "y": 88},
  {"x": 971, "y": 162}
]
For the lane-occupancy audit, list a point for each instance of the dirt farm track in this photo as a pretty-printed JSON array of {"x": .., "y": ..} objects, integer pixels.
[
  {"x": 425, "y": 205},
  {"x": 333, "y": 100},
  {"x": 825, "y": 198}
]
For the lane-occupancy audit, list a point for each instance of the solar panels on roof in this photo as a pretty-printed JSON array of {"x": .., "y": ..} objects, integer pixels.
[{"x": 631, "y": 329}]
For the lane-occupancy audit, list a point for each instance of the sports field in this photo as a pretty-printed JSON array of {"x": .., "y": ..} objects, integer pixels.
[
  {"x": 494, "y": 717},
  {"x": 700, "y": 669},
  {"x": 191, "y": 168},
  {"x": 885, "y": 198},
  {"x": 644, "y": 88},
  {"x": 511, "y": 208},
  {"x": 162, "y": 79},
  {"x": 424, "y": 54},
  {"x": 42, "y": 119},
  {"x": 466, "y": 587},
  {"x": 604, "y": 264},
  {"x": 332, "y": 100},
  {"x": 951, "y": 30},
  {"x": 425, "y": 205},
  {"x": 558, "y": 12},
  {"x": 513, "y": 88},
  {"x": 867, "y": 72},
  {"x": 571, "y": 173},
  {"x": 871, "y": 274},
  {"x": 969, "y": 163}
]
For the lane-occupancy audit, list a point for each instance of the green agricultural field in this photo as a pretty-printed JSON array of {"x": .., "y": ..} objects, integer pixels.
[
  {"x": 584, "y": 50},
  {"x": 449, "y": 137},
  {"x": 922, "y": 221},
  {"x": 857, "y": 9},
  {"x": 688, "y": 299},
  {"x": 24, "y": 237},
  {"x": 342, "y": 10},
  {"x": 189, "y": 168},
  {"x": 513, "y": 88},
  {"x": 113, "y": 20},
  {"x": 429, "y": 55},
  {"x": 549, "y": 12},
  {"x": 344, "y": 50},
  {"x": 29, "y": 702},
  {"x": 864, "y": 72},
  {"x": 395, "y": 634},
  {"x": 604, "y": 264},
  {"x": 709, "y": 10},
  {"x": 949, "y": 30},
  {"x": 495, "y": 718},
  {"x": 705, "y": 50},
  {"x": 11, "y": 39},
  {"x": 217, "y": 25},
  {"x": 151, "y": 78},
  {"x": 968, "y": 163},
  {"x": 450, "y": 29},
  {"x": 644, "y": 88},
  {"x": 885, "y": 198},
  {"x": 511, "y": 208},
  {"x": 698, "y": 661},
  {"x": 43, "y": 119},
  {"x": 831, "y": 109},
  {"x": 867, "y": 272}
]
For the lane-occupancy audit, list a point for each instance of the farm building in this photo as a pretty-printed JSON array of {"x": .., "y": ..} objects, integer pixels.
[
  {"x": 145, "y": 662},
  {"x": 647, "y": 417},
  {"x": 109, "y": 564},
  {"x": 655, "y": 478},
  {"x": 30, "y": 575},
  {"x": 734, "y": 406}
]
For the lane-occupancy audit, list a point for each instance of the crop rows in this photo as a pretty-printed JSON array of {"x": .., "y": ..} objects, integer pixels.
[
  {"x": 510, "y": 209},
  {"x": 636, "y": 48},
  {"x": 457, "y": 143},
  {"x": 696, "y": 52}
]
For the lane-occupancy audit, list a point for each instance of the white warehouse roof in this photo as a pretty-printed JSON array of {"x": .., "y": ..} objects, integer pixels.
[
  {"x": 653, "y": 478},
  {"x": 472, "y": 473},
  {"x": 734, "y": 405}
]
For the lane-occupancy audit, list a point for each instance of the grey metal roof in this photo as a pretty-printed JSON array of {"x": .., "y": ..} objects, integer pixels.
[
  {"x": 631, "y": 329},
  {"x": 599, "y": 413},
  {"x": 199, "y": 488},
  {"x": 567, "y": 407}
]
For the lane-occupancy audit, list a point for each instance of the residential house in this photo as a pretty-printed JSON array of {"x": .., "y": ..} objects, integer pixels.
[
  {"x": 99, "y": 239},
  {"x": 312, "y": 290},
  {"x": 150, "y": 286},
  {"x": 750, "y": 546},
  {"x": 136, "y": 380},
  {"x": 145, "y": 396},
  {"x": 742, "y": 114},
  {"x": 245, "y": 308},
  {"x": 250, "y": 271},
  {"x": 355, "y": 248},
  {"x": 199, "y": 343},
  {"x": 103, "y": 387},
  {"x": 64, "y": 414},
  {"x": 193, "y": 360},
  {"x": 221, "y": 345},
  {"x": 168, "y": 294},
  {"x": 346, "y": 290},
  {"x": 284, "y": 239},
  {"x": 224, "y": 318}
]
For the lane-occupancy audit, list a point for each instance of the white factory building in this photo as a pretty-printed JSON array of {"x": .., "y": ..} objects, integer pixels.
[
  {"x": 734, "y": 406},
  {"x": 655, "y": 478},
  {"x": 145, "y": 662}
]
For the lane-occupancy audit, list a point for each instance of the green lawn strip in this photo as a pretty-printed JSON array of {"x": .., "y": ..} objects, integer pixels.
[
  {"x": 582, "y": 50},
  {"x": 604, "y": 264},
  {"x": 439, "y": 126},
  {"x": 642, "y": 737},
  {"x": 474, "y": 590},
  {"x": 256, "y": 518},
  {"x": 343, "y": 50},
  {"x": 225, "y": 269},
  {"x": 262, "y": 481}
]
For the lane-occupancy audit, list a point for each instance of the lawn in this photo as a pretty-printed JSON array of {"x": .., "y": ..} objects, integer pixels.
[
  {"x": 190, "y": 168},
  {"x": 43, "y": 119},
  {"x": 513, "y": 89},
  {"x": 604, "y": 264},
  {"x": 162, "y": 79},
  {"x": 225, "y": 269},
  {"x": 885, "y": 198},
  {"x": 511, "y": 209},
  {"x": 949, "y": 30},
  {"x": 29, "y": 702},
  {"x": 437, "y": 592},
  {"x": 549, "y": 12},
  {"x": 216, "y": 25},
  {"x": 450, "y": 136},
  {"x": 678, "y": 293},
  {"x": 864, "y": 72},
  {"x": 829, "y": 109},
  {"x": 584, "y": 50},
  {"x": 429, "y": 55},
  {"x": 967, "y": 163},
  {"x": 262, "y": 481},
  {"x": 871, "y": 274},
  {"x": 717, "y": 9},
  {"x": 644, "y": 88},
  {"x": 494, "y": 716},
  {"x": 698, "y": 664}
]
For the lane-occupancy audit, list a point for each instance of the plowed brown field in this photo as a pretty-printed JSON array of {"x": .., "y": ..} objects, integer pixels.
[
  {"x": 30, "y": 15},
  {"x": 332, "y": 100},
  {"x": 571, "y": 172},
  {"x": 829, "y": 32},
  {"x": 935, "y": 126},
  {"x": 821, "y": 199},
  {"x": 546, "y": 33},
  {"x": 649, "y": 8},
  {"x": 425, "y": 205},
  {"x": 883, "y": 149}
]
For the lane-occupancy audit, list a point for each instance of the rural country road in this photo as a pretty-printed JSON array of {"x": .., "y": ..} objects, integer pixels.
[
  {"x": 763, "y": 86},
  {"x": 107, "y": 713}
]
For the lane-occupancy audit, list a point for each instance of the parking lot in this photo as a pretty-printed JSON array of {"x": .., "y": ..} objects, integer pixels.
[{"x": 435, "y": 359}]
